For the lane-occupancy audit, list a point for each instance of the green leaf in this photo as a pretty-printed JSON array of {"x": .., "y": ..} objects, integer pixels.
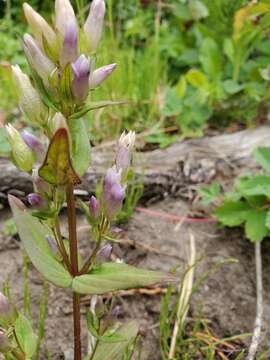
[
  {"x": 57, "y": 168},
  {"x": 262, "y": 155},
  {"x": 267, "y": 220},
  {"x": 112, "y": 338},
  {"x": 32, "y": 234},
  {"x": 115, "y": 351},
  {"x": 209, "y": 193},
  {"x": 65, "y": 83},
  {"x": 113, "y": 276},
  {"x": 255, "y": 226},
  {"x": 255, "y": 185},
  {"x": 81, "y": 150},
  {"x": 95, "y": 106},
  {"x": 198, "y": 9},
  {"x": 231, "y": 87},
  {"x": 26, "y": 336},
  {"x": 211, "y": 58},
  {"x": 196, "y": 78},
  {"x": 228, "y": 49},
  {"x": 232, "y": 213}
]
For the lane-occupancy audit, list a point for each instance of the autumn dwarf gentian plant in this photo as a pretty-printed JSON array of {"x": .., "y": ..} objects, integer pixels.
[{"x": 54, "y": 99}]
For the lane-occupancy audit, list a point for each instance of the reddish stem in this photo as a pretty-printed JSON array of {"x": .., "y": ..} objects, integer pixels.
[{"x": 73, "y": 246}]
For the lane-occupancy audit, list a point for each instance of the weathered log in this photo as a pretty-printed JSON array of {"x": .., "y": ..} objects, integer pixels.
[{"x": 189, "y": 161}]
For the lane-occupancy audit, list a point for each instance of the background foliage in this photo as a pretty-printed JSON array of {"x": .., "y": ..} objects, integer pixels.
[{"x": 184, "y": 65}]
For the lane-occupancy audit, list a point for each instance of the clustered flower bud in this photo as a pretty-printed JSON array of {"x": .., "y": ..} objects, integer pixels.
[
  {"x": 22, "y": 154},
  {"x": 124, "y": 150},
  {"x": 34, "y": 144},
  {"x": 94, "y": 24},
  {"x": 29, "y": 99},
  {"x": 99, "y": 75},
  {"x": 114, "y": 185}
]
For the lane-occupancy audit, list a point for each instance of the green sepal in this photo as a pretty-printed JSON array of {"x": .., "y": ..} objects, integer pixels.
[
  {"x": 25, "y": 334},
  {"x": 81, "y": 149}
]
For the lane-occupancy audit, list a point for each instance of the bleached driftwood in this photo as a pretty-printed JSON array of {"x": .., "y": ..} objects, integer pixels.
[{"x": 188, "y": 161}]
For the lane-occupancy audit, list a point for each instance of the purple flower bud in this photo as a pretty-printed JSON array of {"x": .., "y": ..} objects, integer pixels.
[
  {"x": 113, "y": 192},
  {"x": 80, "y": 84},
  {"x": 36, "y": 201},
  {"x": 51, "y": 244},
  {"x": 124, "y": 150},
  {"x": 5, "y": 344},
  {"x": 94, "y": 24},
  {"x": 99, "y": 75},
  {"x": 69, "y": 52},
  {"x": 116, "y": 311},
  {"x": 37, "y": 59},
  {"x": 7, "y": 311},
  {"x": 105, "y": 252},
  {"x": 40, "y": 186},
  {"x": 35, "y": 144},
  {"x": 94, "y": 208}
]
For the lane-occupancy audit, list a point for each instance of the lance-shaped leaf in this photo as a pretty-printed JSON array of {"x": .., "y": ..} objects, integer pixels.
[
  {"x": 33, "y": 236},
  {"x": 57, "y": 168},
  {"x": 113, "y": 276},
  {"x": 26, "y": 336},
  {"x": 95, "y": 106},
  {"x": 116, "y": 351},
  {"x": 81, "y": 150}
]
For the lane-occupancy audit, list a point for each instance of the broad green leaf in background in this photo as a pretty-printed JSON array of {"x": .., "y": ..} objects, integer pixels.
[
  {"x": 232, "y": 213},
  {"x": 267, "y": 220},
  {"x": 33, "y": 236},
  {"x": 115, "y": 351},
  {"x": 232, "y": 87},
  {"x": 113, "y": 276},
  {"x": 256, "y": 185},
  {"x": 262, "y": 155},
  {"x": 81, "y": 150},
  {"x": 198, "y": 9},
  {"x": 26, "y": 336},
  {"x": 197, "y": 79},
  {"x": 57, "y": 168},
  {"x": 228, "y": 49},
  {"x": 255, "y": 226},
  {"x": 209, "y": 193},
  {"x": 211, "y": 58}
]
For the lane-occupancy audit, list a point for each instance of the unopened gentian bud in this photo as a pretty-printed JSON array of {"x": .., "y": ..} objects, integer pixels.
[
  {"x": 94, "y": 208},
  {"x": 35, "y": 144},
  {"x": 40, "y": 186},
  {"x": 124, "y": 150},
  {"x": 52, "y": 244},
  {"x": 105, "y": 252},
  {"x": 29, "y": 99},
  {"x": 99, "y": 75},
  {"x": 69, "y": 52},
  {"x": 64, "y": 14},
  {"x": 7, "y": 311},
  {"x": 94, "y": 24},
  {"x": 5, "y": 343},
  {"x": 37, "y": 59},
  {"x": 22, "y": 154},
  {"x": 113, "y": 193},
  {"x": 34, "y": 199},
  {"x": 39, "y": 26},
  {"x": 80, "y": 83},
  {"x": 58, "y": 121}
]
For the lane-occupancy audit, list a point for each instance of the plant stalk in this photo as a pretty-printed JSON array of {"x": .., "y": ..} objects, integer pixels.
[
  {"x": 73, "y": 246},
  {"x": 259, "y": 311}
]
